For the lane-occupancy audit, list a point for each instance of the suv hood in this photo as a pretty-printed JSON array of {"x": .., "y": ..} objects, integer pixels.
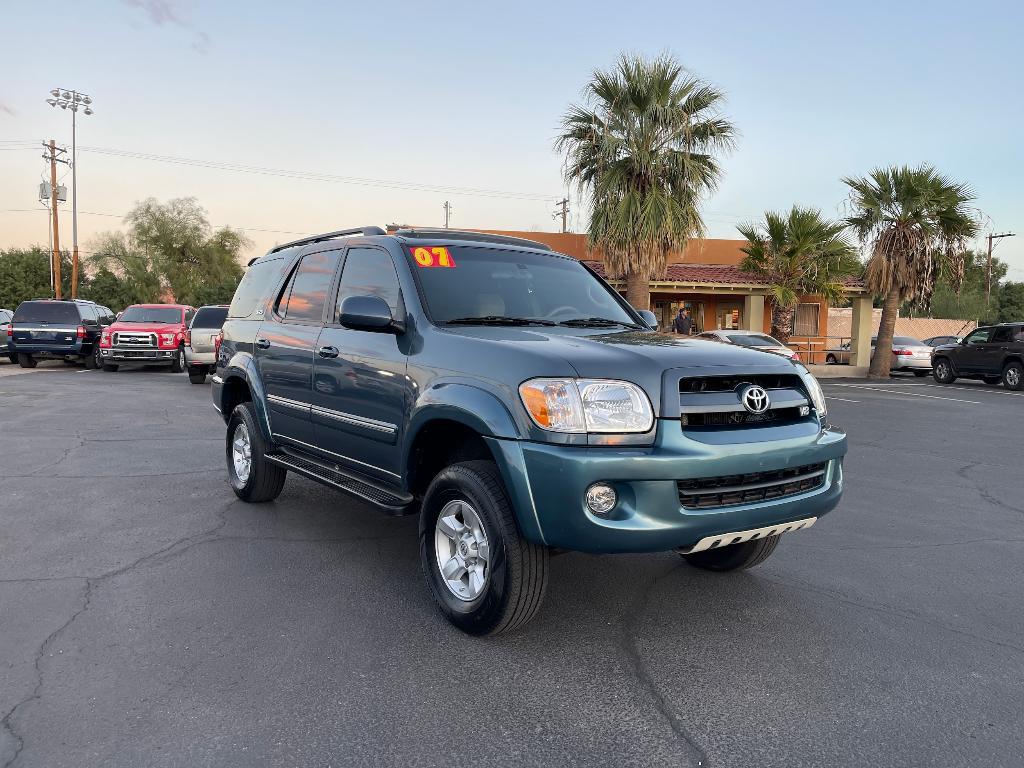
[{"x": 644, "y": 358}]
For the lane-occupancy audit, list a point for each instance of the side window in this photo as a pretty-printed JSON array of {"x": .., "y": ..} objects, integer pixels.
[
  {"x": 89, "y": 314},
  {"x": 256, "y": 283},
  {"x": 369, "y": 272},
  {"x": 980, "y": 336},
  {"x": 1003, "y": 335},
  {"x": 304, "y": 297}
]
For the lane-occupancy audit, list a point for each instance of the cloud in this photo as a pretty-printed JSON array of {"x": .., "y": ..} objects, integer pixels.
[{"x": 169, "y": 13}]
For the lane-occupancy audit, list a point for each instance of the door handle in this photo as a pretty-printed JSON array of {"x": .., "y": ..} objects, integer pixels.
[
  {"x": 327, "y": 351},
  {"x": 262, "y": 344}
]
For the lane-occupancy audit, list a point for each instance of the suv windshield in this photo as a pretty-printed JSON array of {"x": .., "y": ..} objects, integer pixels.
[
  {"x": 47, "y": 312},
  {"x": 491, "y": 285},
  {"x": 210, "y": 317},
  {"x": 151, "y": 315}
]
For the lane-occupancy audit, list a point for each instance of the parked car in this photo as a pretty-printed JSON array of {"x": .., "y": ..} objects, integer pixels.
[
  {"x": 938, "y": 341},
  {"x": 201, "y": 340},
  {"x": 514, "y": 401},
  {"x": 992, "y": 353},
  {"x": 908, "y": 354},
  {"x": 147, "y": 334},
  {"x": 5, "y": 329},
  {"x": 63, "y": 329},
  {"x": 761, "y": 341}
]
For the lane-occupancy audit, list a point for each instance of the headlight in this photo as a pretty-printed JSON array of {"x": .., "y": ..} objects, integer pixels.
[
  {"x": 167, "y": 339},
  {"x": 814, "y": 390},
  {"x": 587, "y": 405}
]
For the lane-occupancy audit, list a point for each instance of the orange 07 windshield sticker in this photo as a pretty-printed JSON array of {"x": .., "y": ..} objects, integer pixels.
[{"x": 437, "y": 256}]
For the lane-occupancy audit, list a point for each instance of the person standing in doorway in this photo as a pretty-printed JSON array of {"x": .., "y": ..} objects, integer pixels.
[{"x": 683, "y": 323}]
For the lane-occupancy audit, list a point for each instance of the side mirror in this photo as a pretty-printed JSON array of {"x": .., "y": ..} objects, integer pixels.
[
  {"x": 367, "y": 313},
  {"x": 648, "y": 317}
]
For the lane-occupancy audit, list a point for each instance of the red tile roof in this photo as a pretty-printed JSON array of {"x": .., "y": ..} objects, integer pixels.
[{"x": 713, "y": 273}]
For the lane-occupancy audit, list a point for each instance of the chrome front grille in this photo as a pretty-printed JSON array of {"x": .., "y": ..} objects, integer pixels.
[
  {"x": 731, "y": 490},
  {"x": 134, "y": 340},
  {"x": 716, "y": 401}
]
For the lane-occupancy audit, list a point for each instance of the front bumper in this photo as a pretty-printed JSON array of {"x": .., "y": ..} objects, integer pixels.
[
  {"x": 547, "y": 484},
  {"x": 144, "y": 356}
]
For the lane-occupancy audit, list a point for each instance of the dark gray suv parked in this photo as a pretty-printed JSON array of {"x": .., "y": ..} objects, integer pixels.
[
  {"x": 514, "y": 401},
  {"x": 992, "y": 353}
]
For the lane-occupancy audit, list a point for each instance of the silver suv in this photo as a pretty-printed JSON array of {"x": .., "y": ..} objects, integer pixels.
[{"x": 201, "y": 341}]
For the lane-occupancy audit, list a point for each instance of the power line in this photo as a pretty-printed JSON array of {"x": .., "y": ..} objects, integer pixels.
[{"x": 122, "y": 215}]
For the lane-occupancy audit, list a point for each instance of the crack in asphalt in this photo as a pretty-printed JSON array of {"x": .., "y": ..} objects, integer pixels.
[
  {"x": 983, "y": 492},
  {"x": 628, "y": 645}
]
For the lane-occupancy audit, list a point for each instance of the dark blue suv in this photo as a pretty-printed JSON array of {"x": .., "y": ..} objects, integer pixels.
[
  {"x": 514, "y": 401},
  {"x": 67, "y": 329}
]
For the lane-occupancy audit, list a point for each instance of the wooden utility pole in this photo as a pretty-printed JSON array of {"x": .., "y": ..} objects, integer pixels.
[
  {"x": 563, "y": 211},
  {"x": 988, "y": 270},
  {"x": 56, "y": 230},
  {"x": 447, "y": 213}
]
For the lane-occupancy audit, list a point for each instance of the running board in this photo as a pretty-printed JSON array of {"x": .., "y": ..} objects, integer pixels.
[
  {"x": 389, "y": 501},
  {"x": 738, "y": 537}
]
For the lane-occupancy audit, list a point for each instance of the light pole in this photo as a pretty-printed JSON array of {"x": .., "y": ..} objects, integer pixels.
[{"x": 72, "y": 100}]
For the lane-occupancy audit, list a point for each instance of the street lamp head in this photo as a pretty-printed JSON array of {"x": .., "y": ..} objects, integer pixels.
[
  {"x": 52, "y": 102},
  {"x": 66, "y": 94},
  {"x": 88, "y": 111},
  {"x": 73, "y": 107},
  {"x": 55, "y": 92},
  {"x": 86, "y": 100},
  {"x": 78, "y": 97},
  {"x": 63, "y": 104}
]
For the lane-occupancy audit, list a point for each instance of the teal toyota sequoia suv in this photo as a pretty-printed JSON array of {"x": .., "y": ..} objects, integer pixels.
[{"x": 519, "y": 406}]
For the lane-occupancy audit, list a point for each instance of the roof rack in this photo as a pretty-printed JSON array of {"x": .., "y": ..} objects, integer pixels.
[
  {"x": 462, "y": 234},
  {"x": 365, "y": 231}
]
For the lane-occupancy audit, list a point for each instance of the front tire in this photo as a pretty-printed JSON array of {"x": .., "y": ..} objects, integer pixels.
[
  {"x": 27, "y": 361},
  {"x": 735, "y": 557},
  {"x": 93, "y": 361},
  {"x": 491, "y": 579},
  {"x": 252, "y": 477},
  {"x": 1013, "y": 376},
  {"x": 943, "y": 371},
  {"x": 179, "y": 361}
]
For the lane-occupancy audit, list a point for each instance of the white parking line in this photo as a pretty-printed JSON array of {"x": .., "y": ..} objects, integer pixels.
[
  {"x": 964, "y": 389},
  {"x": 830, "y": 397},
  {"x": 905, "y": 394}
]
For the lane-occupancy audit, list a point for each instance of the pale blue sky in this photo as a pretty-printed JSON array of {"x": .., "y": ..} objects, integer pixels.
[{"x": 469, "y": 95}]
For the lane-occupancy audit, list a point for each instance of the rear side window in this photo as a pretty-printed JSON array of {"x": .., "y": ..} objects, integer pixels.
[
  {"x": 304, "y": 297},
  {"x": 46, "y": 312},
  {"x": 210, "y": 317},
  {"x": 256, "y": 283},
  {"x": 369, "y": 272}
]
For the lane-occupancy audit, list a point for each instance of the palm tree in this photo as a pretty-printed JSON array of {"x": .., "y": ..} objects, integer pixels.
[
  {"x": 799, "y": 252},
  {"x": 916, "y": 223},
  {"x": 643, "y": 147}
]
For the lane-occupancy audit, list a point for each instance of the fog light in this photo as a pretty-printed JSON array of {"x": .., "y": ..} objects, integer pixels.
[{"x": 601, "y": 498}]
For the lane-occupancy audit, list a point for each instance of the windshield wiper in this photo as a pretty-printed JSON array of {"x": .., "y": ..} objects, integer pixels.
[
  {"x": 597, "y": 322},
  {"x": 497, "y": 320}
]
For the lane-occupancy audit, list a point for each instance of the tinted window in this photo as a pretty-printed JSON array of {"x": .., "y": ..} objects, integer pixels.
[
  {"x": 907, "y": 341},
  {"x": 46, "y": 312},
  {"x": 980, "y": 336},
  {"x": 138, "y": 314},
  {"x": 1002, "y": 334},
  {"x": 304, "y": 297},
  {"x": 210, "y": 317},
  {"x": 369, "y": 272},
  {"x": 507, "y": 283},
  {"x": 256, "y": 283},
  {"x": 89, "y": 313}
]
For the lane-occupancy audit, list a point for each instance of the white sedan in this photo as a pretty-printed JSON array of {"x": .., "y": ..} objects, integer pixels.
[{"x": 752, "y": 339}]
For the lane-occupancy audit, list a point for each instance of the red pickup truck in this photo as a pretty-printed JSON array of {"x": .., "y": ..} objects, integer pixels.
[{"x": 147, "y": 334}]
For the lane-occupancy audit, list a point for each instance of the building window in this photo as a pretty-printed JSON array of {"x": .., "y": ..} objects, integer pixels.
[{"x": 805, "y": 320}]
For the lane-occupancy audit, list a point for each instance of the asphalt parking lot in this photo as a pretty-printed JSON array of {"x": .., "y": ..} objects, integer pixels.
[{"x": 149, "y": 618}]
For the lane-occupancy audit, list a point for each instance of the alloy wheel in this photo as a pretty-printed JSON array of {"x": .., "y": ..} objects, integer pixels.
[
  {"x": 241, "y": 453},
  {"x": 1013, "y": 377},
  {"x": 461, "y": 550}
]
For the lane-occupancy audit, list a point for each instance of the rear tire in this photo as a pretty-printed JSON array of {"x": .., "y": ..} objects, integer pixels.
[
  {"x": 93, "y": 361},
  {"x": 943, "y": 371},
  {"x": 257, "y": 480},
  {"x": 735, "y": 557},
  {"x": 1013, "y": 376},
  {"x": 197, "y": 374},
  {"x": 109, "y": 367},
  {"x": 514, "y": 570},
  {"x": 179, "y": 361},
  {"x": 26, "y": 361}
]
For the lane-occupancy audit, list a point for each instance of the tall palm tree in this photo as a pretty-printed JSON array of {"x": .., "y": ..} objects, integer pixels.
[
  {"x": 799, "y": 252},
  {"x": 643, "y": 146},
  {"x": 916, "y": 223}
]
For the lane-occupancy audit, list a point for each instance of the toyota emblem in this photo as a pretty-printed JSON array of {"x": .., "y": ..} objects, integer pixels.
[{"x": 755, "y": 399}]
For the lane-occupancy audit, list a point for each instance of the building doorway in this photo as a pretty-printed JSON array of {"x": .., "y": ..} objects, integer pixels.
[
  {"x": 729, "y": 315},
  {"x": 668, "y": 309}
]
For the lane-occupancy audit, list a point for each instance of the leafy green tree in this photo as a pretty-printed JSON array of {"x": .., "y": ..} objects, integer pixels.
[
  {"x": 799, "y": 253},
  {"x": 968, "y": 302},
  {"x": 25, "y": 274},
  {"x": 1011, "y": 302},
  {"x": 125, "y": 274},
  {"x": 184, "y": 249},
  {"x": 915, "y": 222},
  {"x": 644, "y": 147}
]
